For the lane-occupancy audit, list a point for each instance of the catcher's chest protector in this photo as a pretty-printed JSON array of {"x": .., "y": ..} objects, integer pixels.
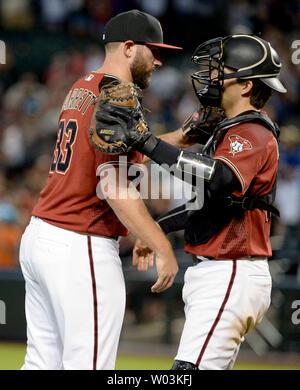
[{"x": 218, "y": 211}]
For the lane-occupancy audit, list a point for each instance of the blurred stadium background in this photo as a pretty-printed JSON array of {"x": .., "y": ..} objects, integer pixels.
[{"x": 50, "y": 44}]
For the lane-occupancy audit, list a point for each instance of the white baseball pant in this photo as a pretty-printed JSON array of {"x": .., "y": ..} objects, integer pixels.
[
  {"x": 224, "y": 300},
  {"x": 75, "y": 298}
]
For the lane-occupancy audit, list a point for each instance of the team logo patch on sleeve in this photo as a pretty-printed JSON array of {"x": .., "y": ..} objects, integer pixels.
[{"x": 238, "y": 144}]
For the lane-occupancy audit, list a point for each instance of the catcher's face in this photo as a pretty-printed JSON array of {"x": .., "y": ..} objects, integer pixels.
[
  {"x": 233, "y": 93},
  {"x": 145, "y": 61}
]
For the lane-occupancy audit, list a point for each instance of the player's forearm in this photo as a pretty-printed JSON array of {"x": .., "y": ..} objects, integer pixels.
[
  {"x": 192, "y": 167},
  {"x": 133, "y": 213},
  {"x": 175, "y": 138}
]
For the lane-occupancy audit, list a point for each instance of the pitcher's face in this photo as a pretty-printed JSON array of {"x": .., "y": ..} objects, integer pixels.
[{"x": 145, "y": 62}]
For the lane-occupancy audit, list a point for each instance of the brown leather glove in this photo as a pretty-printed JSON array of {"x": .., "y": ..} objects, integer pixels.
[{"x": 200, "y": 125}]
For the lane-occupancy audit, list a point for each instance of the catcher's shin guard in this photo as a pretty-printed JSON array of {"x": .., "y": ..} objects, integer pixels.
[{"x": 182, "y": 365}]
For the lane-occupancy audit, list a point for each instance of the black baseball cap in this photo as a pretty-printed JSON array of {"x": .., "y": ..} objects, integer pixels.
[{"x": 136, "y": 26}]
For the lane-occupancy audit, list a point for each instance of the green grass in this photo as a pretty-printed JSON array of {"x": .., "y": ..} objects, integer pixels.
[
  {"x": 130, "y": 362},
  {"x": 12, "y": 358}
]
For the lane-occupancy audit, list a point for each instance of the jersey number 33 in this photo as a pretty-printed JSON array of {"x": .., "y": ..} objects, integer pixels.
[{"x": 63, "y": 151}]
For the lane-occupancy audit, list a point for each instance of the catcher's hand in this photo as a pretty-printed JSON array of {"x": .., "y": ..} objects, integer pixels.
[
  {"x": 118, "y": 124},
  {"x": 143, "y": 256},
  {"x": 166, "y": 265},
  {"x": 200, "y": 125}
]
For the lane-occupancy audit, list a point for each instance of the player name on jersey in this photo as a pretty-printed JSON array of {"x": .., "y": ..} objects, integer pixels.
[{"x": 79, "y": 99}]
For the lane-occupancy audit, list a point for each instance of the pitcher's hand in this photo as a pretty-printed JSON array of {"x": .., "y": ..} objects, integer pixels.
[{"x": 167, "y": 268}]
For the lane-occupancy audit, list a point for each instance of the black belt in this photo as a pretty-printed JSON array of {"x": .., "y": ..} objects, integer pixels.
[{"x": 196, "y": 260}]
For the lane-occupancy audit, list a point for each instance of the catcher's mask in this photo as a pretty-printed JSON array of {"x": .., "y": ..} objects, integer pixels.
[{"x": 248, "y": 56}]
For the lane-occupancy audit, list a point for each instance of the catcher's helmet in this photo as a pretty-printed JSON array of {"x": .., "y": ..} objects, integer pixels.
[{"x": 249, "y": 56}]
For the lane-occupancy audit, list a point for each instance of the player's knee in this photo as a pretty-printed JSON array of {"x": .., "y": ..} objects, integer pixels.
[{"x": 182, "y": 365}]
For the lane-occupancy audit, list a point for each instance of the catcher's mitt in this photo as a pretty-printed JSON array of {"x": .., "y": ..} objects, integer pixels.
[
  {"x": 200, "y": 125},
  {"x": 118, "y": 123}
]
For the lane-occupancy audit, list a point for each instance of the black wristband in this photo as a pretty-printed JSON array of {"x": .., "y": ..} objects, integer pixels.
[
  {"x": 148, "y": 146},
  {"x": 160, "y": 151}
]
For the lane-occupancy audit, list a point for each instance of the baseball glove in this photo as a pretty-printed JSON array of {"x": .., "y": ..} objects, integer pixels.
[
  {"x": 118, "y": 123},
  {"x": 200, "y": 125}
]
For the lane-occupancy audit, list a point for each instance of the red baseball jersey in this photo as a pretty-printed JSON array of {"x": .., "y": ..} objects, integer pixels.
[
  {"x": 251, "y": 152},
  {"x": 69, "y": 199}
]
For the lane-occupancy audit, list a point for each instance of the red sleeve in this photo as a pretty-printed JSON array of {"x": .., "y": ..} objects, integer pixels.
[
  {"x": 246, "y": 148},
  {"x": 103, "y": 160}
]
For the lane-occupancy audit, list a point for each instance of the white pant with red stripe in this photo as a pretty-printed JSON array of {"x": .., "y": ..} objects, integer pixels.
[
  {"x": 224, "y": 300},
  {"x": 75, "y": 298}
]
